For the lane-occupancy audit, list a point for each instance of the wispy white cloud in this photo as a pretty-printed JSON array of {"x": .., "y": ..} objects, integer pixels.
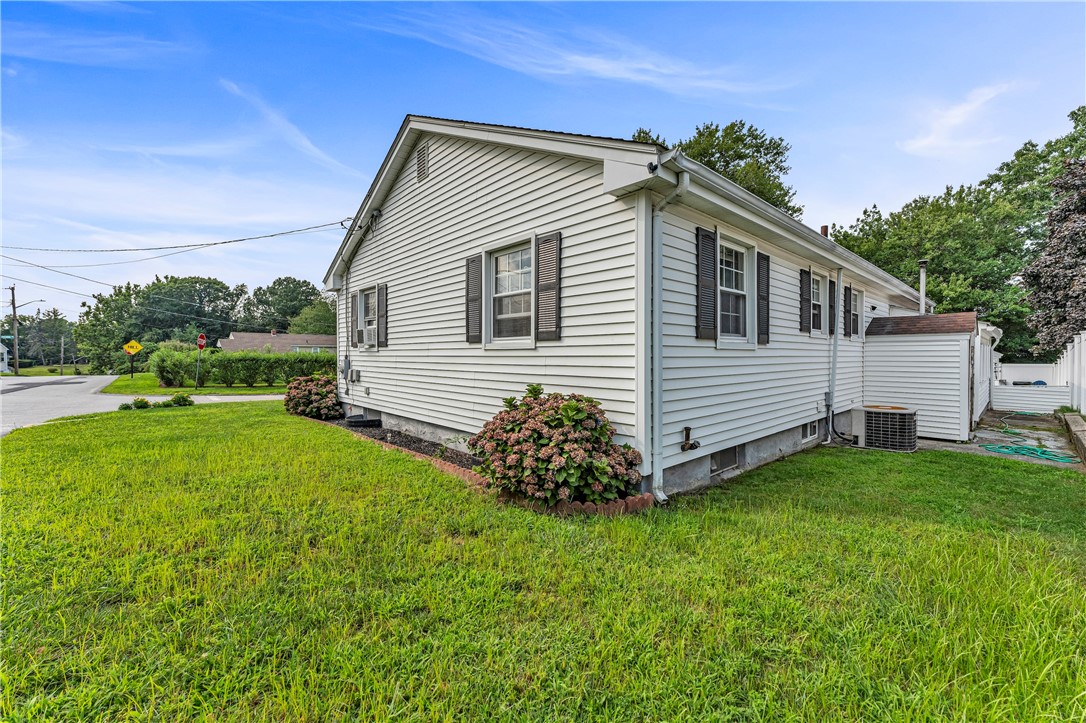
[
  {"x": 951, "y": 130},
  {"x": 574, "y": 53},
  {"x": 77, "y": 47},
  {"x": 287, "y": 130},
  {"x": 196, "y": 149},
  {"x": 12, "y": 141}
]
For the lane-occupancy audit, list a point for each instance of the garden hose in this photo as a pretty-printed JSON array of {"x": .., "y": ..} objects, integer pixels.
[{"x": 1024, "y": 450}]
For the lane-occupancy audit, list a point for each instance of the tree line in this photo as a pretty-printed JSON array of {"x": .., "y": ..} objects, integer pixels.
[
  {"x": 182, "y": 307},
  {"x": 1011, "y": 246}
]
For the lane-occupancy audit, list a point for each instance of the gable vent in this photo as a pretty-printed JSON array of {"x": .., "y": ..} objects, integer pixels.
[{"x": 422, "y": 162}]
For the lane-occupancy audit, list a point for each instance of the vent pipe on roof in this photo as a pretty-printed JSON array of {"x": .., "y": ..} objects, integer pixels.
[
  {"x": 923, "y": 286},
  {"x": 825, "y": 231}
]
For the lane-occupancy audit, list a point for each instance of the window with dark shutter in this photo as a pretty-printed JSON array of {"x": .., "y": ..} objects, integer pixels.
[
  {"x": 833, "y": 307},
  {"x": 763, "y": 298},
  {"x": 848, "y": 311},
  {"x": 382, "y": 315},
  {"x": 705, "y": 312},
  {"x": 548, "y": 287},
  {"x": 473, "y": 299},
  {"x": 353, "y": 331},
  {"x": 804, "y": 300}
]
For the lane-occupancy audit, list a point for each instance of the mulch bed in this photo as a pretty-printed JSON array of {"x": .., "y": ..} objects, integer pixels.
[{"x": 460, "y": 464}]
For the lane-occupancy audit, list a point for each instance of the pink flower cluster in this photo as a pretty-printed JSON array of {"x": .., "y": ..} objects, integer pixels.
[
  {"x": 313, "y": 397},
  {"x": 555, "y": 447}
]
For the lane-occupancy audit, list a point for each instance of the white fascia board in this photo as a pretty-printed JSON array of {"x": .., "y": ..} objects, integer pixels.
[{"x": 709, "y": 192}]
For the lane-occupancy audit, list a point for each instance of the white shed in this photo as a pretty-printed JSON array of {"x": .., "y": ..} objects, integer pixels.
[{"x": 939, "y": 364}]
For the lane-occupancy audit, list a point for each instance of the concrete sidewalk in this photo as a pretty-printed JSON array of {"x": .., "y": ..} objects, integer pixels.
[{"x": 26, "y": 401}]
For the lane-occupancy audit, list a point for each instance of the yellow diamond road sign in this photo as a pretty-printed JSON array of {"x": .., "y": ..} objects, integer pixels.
[{"x": 132, "y": 347}]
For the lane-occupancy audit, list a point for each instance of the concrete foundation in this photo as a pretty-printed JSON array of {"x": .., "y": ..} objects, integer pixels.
[{"x": 451, "y": 438}]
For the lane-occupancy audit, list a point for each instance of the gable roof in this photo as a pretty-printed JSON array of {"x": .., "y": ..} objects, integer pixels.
[
  {"x": 279, "y": 343},
  {"x": 664, "y": 167},
  {"x": 963, "y": 322}
]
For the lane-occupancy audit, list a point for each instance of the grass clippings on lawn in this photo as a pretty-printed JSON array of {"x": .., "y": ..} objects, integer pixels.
[
  {"x": 229, "y": 561},
  {"x": 145, "y": 383}
]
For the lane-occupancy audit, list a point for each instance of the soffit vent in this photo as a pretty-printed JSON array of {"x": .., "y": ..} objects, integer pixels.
[{"x": 422, "y": 162}]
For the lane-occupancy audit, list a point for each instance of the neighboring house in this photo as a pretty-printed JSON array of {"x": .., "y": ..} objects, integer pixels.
[
  {"x": 4, "y": 367},
  {"x": 278, "y": 342},
  {"x": 705, "y": 321}
]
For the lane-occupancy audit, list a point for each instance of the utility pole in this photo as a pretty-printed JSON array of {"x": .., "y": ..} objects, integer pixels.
[
  {"x": 62, "y": 353},
  {"x": 15, "y": 329}
]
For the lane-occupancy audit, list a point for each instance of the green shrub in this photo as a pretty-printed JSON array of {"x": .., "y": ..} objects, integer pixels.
[
  {"x": 78, "y": 370},
  {"x": 125, "y": 406},
  {"x": 163, "y": 403},
  {"x": 555, "y": 447},
  {"x": 306, "y": 364},
  {"x": 141, "y": 403},
  {"x": 206, "y": 365},
  {"x": 227, "y": 368},
  {"x": 313, "y": 397},
  {"x": 176, "y": 345},
  {"x": 51, "y": 370},
  {"x": 181, "y": 400},
  {"x": 270, "y": 368},
  {"x": 250, "y": 364},
  {"x": 170, "y": 367}
]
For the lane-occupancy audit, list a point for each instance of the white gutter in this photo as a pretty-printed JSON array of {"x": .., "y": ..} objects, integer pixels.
[{"x": 658, "y": 335}]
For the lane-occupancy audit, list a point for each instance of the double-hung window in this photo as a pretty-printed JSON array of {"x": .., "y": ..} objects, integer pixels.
[
  {"x": 512, "y": 295},
  {"x": 857, "y": 313},
  {"x": 817, "y": 284},
  {"x": 369, "y": 318},
  {"x": 733, "y": 291}
]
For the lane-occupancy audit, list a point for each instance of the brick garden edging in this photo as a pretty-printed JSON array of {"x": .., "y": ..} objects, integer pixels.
[{"x": 627, "y": 506}]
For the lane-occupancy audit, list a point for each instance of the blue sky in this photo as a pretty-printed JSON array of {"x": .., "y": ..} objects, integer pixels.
[{"x": 129, "y": 125}]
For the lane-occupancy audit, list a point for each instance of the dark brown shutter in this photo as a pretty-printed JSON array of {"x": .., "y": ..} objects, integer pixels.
[
  {"x": 804, "y": 300},
  {"x": 763, "y": 298},
  {"x": 382, "y": 315},
  {"x": 848, "y": 311},
  {"x": 833, "y": 307},
  {"x": 705, "y": 313},
  {"x": 548, "y": 286},
  {"x": 473, "y": 287},
  {"x": 353, "y": 331}
]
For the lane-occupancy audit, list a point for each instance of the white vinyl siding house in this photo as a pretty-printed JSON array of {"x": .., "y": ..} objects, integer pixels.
[
  {"x": 500, "y": 257},
  {"x": 484, "y": 198}
]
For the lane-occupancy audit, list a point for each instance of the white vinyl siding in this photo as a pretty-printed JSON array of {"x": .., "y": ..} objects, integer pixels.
[
  {"x": 477, "y": 196},
  {"x": 928, "y": 372},
  {"x": 731, "y": 396},
  {"x": 1044, "y": 399}
]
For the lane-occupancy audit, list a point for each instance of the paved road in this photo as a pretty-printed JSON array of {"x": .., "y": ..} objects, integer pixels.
[{"x": 25, "y": 401}]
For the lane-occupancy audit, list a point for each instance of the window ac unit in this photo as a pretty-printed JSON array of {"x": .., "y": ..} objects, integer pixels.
[
  {"x": 369, "y": 337},
  {"x": 885, "y": 426}
]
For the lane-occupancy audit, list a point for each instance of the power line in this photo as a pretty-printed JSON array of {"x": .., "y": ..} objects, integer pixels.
[{"x": 183, "y": 246}]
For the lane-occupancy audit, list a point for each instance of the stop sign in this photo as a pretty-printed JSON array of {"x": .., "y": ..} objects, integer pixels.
[{"x": 201, "y": 341}]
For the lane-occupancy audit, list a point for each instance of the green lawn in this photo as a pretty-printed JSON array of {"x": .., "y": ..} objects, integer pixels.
[
  {"x": 231, "y": 562},
  {"x": 39, "y": 371},
  {"x": 146, "y": 383}
]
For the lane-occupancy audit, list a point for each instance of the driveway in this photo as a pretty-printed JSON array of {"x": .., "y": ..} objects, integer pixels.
[{"x": 25, "y": 401}]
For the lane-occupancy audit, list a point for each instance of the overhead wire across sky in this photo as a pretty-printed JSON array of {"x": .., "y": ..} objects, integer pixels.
[{"x": 183, "y": 248}]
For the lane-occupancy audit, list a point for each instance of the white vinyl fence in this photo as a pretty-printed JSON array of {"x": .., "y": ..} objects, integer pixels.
[
  {"x": 1066, "y": 388},
  {"x": 1071, "y": 370}
]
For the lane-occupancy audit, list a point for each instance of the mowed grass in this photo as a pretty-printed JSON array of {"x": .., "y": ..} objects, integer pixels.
[
  {"x": 40, "y": 371},
  {"x": 144, "y": 383},
  {"x": 231, "y": 562}
]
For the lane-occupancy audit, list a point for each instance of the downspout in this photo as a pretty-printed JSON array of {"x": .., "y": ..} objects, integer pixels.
[
  {"x": 657, "y": 253},
  {"x": 838, "y": 305}
]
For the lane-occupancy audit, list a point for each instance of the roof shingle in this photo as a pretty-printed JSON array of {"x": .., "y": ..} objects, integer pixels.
[{"x": 962, "y": 322}]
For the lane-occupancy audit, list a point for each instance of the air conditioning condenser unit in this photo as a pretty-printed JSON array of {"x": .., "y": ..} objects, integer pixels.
[{"x": 889, "y": 427}]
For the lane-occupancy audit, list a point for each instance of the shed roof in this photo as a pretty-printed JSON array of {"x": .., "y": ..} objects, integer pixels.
[
  {"x": 255, "y": 341},
  {"x": 962, "y": 322}
]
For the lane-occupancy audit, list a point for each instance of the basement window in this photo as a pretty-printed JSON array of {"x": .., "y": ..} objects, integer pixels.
[
  {"x": 810, "y": 431},
  {"x": 723, "y": 460}
]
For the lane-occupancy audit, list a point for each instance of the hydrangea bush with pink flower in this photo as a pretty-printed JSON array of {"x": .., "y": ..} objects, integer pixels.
[
  {"x": 554, "y": 447},
  {"x": 314, "y": 397}
]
